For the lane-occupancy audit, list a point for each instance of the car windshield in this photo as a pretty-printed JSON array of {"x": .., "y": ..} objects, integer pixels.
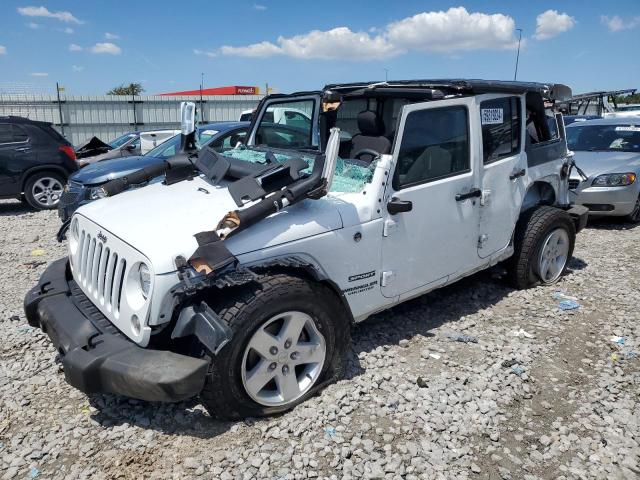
[
  {"x": 118, "y": 142},
  {"x": 350, "y": 176},
  {"x": 170, "y": 147},
  {"x": 607, "y": 138}
]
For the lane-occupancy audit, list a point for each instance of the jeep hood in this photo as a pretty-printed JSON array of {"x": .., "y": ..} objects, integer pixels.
[{"x": 161, "y": 220}]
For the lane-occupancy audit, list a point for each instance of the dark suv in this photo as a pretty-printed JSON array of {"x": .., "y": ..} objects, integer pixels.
[{"x": 35, "y": 162}]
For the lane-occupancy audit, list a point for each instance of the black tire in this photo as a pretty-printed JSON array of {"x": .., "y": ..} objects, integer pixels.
[
  {"x": 531, "y": 231},
  {"x": 50, "y": 200},
  {"x": 634, "y": 217},
  {"x": 224, "y": 394}
]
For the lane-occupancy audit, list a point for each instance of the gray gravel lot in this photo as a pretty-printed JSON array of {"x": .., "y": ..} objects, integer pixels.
[{"x": 544, "y": 393}]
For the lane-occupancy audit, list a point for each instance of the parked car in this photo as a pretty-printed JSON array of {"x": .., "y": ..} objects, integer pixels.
[
  {"x": 608, "y": 152},
  {"x": 294, "y": 117},
  {"x": 240, "y": 284},
  {"x": 84, "y": 186},
  {"x": 129, "y": 144},
  {"x": 35, "y": 162},
  {"x": 569, "y": 119}
]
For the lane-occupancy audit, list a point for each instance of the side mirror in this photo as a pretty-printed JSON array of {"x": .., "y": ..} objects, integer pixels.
[
  {"x": 130, "y": 147},
  {"x": 187, "y": 117},
  {"x": 187, "y": 127}
]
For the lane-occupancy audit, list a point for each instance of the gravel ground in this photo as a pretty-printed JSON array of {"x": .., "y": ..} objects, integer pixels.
[{"x": 542, "y": 393}]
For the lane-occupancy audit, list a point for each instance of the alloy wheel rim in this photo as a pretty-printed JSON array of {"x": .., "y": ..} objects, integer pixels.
[
  {"x": 47, "y": 191},
  {"x": 283, "y": 359},
  {"x": 553, "y": 255}
]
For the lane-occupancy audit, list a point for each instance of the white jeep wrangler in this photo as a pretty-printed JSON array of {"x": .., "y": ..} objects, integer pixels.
[{"x": 238, "y": 279}]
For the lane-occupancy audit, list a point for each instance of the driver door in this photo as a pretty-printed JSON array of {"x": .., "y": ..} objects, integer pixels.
[{"x": 431, "y": 223}]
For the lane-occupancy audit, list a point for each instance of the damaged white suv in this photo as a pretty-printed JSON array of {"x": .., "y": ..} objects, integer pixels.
[{"x": 238, "y": 276}]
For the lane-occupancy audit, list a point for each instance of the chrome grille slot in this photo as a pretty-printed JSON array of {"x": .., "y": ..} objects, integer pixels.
[
  {"x": 117, "y": 285},
  {"x": 102, "y": 274}
]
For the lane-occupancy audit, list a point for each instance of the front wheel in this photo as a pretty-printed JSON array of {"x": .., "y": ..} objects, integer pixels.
[
  {"x": 543, "y": 245},
  {"x": 290, "y": 337},
  {"x": 634, "y": 216},
  {"x": 43, "y": 190}
]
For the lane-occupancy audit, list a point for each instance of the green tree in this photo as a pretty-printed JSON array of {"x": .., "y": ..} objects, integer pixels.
[
  {"x": 635, "y": 98},
  {"x": 131, "y": 89}
]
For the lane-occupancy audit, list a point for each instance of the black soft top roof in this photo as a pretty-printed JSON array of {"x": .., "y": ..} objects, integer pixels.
[{"x": 552, "y": 91}]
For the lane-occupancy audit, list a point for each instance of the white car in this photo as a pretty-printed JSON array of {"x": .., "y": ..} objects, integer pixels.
[
  {"x": 239, "y": 282},
  {"x": 282, "y": 115}
]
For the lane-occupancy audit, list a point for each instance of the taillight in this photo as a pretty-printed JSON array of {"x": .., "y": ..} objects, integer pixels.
[{"x": 68, "y": 150}]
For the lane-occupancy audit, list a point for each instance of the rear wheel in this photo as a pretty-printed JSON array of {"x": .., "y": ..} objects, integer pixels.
[
  {"x": 634, "y": 216},
  {"x": 43, "y": 190},
  {"x": 290, "y": 337},
  {"x": 543, "y": 245}
]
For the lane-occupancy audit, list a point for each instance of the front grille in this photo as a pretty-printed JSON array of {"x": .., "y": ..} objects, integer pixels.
[
  {"x": 573, "y": 184},
  {"x": 69, "y": 198},
  {"x": 100, "y": 270}
]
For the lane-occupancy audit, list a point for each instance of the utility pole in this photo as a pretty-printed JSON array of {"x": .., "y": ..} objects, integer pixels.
[
  {"x": 60, "y": 109},
  {"x": 515, "y": 75},
  {"x": 386, "y": 74},
  {"x": 201, "y": 102}
]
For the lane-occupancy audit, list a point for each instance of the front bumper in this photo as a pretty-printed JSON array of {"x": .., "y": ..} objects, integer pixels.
[
  {"x": 607, "y": 201},
  {"x": 96, "y": 357},
  {"x": 580, "y": 215},
  {"x": 70, "y": 201}
]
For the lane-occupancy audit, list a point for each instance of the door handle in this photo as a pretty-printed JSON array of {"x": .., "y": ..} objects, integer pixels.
[
  {"x": 396, "y": 205},
  {"x": 474, "y": 192},
  {"x": 521, "y": 173}
]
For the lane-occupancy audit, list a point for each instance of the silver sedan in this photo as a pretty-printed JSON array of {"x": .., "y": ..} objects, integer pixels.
[{"x": 608, "y": 152}]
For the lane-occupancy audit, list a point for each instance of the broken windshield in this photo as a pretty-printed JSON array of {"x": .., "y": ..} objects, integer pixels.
[{"x": 350, "y": 176}]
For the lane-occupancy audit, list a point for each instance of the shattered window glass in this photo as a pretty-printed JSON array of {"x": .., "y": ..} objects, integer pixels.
[{"x": 349, "y": 177}]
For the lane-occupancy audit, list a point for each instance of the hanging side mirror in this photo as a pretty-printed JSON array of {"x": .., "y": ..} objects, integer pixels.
[{"x": 187, "y": 127}]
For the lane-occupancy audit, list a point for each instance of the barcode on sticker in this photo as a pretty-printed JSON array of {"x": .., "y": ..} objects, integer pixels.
[{"x": 491, "y": 116}]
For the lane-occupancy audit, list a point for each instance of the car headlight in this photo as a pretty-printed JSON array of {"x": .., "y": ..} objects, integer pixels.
[
  {"x": 614, "y": 180},
  {"x": 144, "y": 279},
  {"x": 97, "y": 192}
]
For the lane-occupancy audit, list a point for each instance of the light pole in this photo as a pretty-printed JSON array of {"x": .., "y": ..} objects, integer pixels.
[
  {"x": 515, "y": 75},
  {"x": 201, "y": 102},
  {"x": 386, "y": 74}
]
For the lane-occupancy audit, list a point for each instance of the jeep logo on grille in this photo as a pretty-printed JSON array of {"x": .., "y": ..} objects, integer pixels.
[{"x": 102, "y": 237}]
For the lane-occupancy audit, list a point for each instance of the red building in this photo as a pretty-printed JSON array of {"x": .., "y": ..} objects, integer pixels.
[{"x": 232, "y": 90}]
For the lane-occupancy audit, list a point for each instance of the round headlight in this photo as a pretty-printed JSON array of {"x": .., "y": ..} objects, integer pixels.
[
  {"x": 144, "y": 279},
  {"x": 96, "y": 193}
]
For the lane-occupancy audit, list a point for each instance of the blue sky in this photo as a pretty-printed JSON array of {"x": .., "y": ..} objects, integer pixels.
[{"x": 91, "y": 46}]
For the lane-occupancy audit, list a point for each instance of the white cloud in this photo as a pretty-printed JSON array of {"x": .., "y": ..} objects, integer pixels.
[
  {"x": 75, "y": 48},
  {"x": 616, "y": 23},
  {"x": 69, "y": 30},
  {"x": 46, "y": 13},
  {"x": 39, "y": 74},
  {"x": 33, "y": 25},
  {"x": 3, "y": 50},
  {"x": 205, "y": 53},
  {"x": 77, "y": 68},
  {"x": 551, "y": 23},
  {"x": 108, "y": 48},
  {"x": 455, "y": 29},
  {"x": 260, "y": 8},
  {"x": 444, "y": 31},
  {"x": 111, "y": 36}
]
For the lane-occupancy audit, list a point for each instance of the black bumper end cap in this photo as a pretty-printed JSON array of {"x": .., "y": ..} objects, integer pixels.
[{"x": 580, "y": 216}]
